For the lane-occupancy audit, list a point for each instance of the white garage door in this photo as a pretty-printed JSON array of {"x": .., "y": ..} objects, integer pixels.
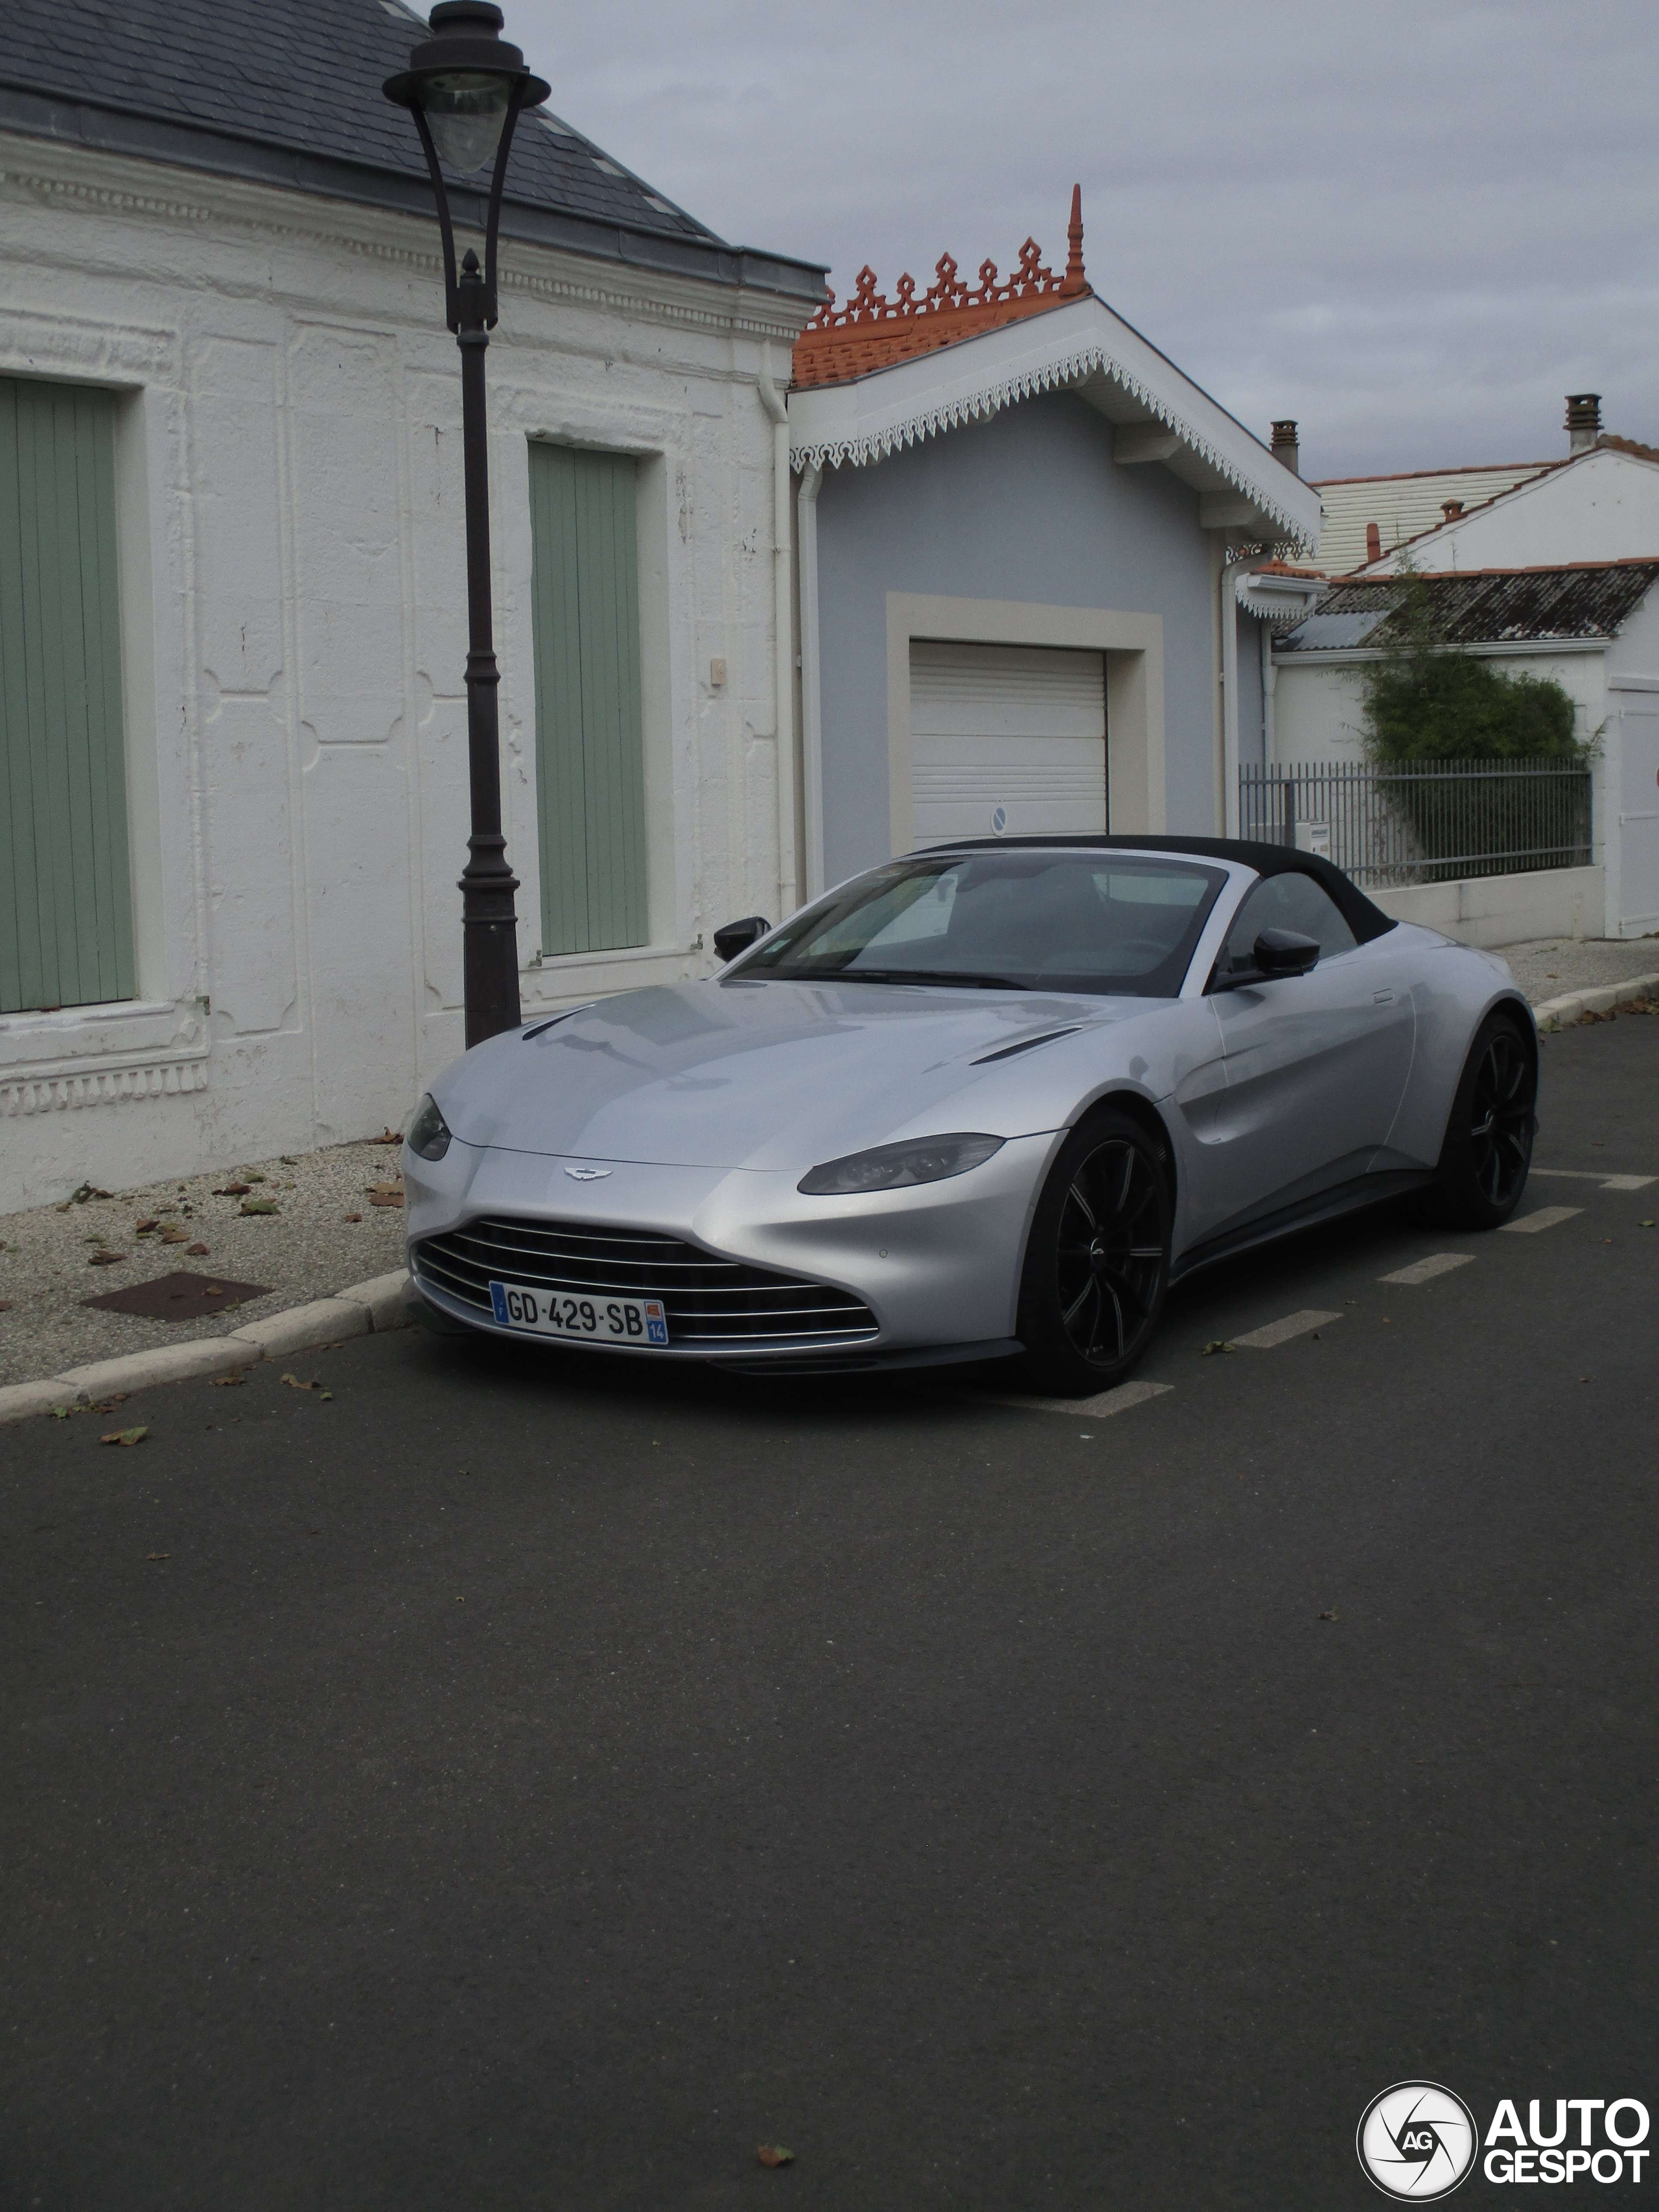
[{"x": 1006, "y": 740}]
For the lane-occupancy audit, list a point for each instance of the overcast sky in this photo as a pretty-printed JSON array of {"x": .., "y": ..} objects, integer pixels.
[{"x": 1413, "y": 227}]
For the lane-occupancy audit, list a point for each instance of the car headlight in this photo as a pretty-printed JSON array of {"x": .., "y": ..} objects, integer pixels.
[
  {"x": 894, "y": 1167},
  {"x": 429, "y": 1132}
]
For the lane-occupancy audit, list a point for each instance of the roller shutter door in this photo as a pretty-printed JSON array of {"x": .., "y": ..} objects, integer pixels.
[{"x": 1006, "y": 740}]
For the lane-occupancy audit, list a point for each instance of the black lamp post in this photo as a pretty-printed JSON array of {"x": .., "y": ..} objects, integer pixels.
[{"x": 464, "y": 86}]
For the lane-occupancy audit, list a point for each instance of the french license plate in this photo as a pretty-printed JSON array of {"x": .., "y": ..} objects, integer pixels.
[{"x": 639, "y": 1321}]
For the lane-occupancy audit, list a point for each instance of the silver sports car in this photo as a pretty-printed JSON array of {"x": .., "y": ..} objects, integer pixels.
[{"x": 990, "y": 1099}]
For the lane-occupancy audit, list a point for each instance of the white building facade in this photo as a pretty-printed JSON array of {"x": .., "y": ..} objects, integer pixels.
[{"x": 253, "y": 390}]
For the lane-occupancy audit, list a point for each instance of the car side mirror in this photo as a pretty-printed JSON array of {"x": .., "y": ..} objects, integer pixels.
[
  {"x": 737, "y": 936},
  {"x": 1286, "y": 952},
  {"x": 1277, "y": 952}
]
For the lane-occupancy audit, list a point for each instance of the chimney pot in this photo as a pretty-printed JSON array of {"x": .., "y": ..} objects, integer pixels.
[
  {"x": 1285, "y": 447},
  {"x": 1583, "y": 420},
  {"x": 1373, "y": 542},
  {"x": 1451, "y": 508}
]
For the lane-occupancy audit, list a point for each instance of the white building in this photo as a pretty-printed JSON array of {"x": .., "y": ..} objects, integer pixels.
[
  {"x": 1601, "y": 505},
  {"x": 1593, "y": 627},
  {"x": 232, "y": 586}
]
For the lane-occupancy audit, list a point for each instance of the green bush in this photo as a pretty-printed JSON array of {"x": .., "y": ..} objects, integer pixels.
[
  {"x": 1428, "y": 704},
  {"x": 1424, "y": 701}
]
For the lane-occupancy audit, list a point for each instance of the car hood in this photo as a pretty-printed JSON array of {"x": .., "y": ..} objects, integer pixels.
[{"x": 759, "y": 1075}]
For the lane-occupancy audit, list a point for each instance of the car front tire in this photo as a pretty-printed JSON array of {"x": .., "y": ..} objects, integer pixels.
[
  {"x": 1097, "y": 1260},
  {"x": 1487, "y": 1152}
]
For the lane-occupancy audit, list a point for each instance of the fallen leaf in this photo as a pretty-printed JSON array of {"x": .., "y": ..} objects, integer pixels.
[
  {"x": 249, "y": 1175},
  {"x": 125, "y": 1436},
  {"x": 152, "y": 1555},
  {"x": 1331, "y": 1615},
  {"x": 259, "y": 1205},
  {"x": 289, "y": 1160},
  {"x": 295, "y": 1383},
  {"x": 1216, "y": 1344},
  {"x": 228, "y": 1382},
  {"x": 231, "y": 1190},
  {"x": 354, "y": 1217},
  {"x": 5, "y": 1305},
  {"x": 106, "y": 1258},
  {"x": 145, "y": 1228},
  {"x": 386, "y": 1137},
  {"x": 60, "y": 1413},
  {"x": 775, "y": 2155},
  {"x": 385, "y": 1198},
  {"x": 1645, "y": 1224},
  {"x": 196, "y": 1251},
  {"x": 175, "y": 1235}
]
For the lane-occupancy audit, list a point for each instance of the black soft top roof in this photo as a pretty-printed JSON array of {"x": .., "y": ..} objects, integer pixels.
[{"x": 1365, "y": 920}]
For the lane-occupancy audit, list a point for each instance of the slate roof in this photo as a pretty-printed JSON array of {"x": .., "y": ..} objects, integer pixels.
[
  {"x": 288, "y": 92},
  {"x": 1489, "y": 607}
]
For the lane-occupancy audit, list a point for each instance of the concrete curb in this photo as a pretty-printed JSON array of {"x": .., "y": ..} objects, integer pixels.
[
  {"x": 1556, "y": 1013},
  {"x": 363, "y": 1307}
]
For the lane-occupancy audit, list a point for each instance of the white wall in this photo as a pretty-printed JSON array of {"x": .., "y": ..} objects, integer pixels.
[
  {"x": 1319, "y": 708},
  {"x": 293, "y": 591},
  {"x": 1497, "y": 910},
  {"x": 1630, "y": 775},
  {"x": 1603, "y": 508}
]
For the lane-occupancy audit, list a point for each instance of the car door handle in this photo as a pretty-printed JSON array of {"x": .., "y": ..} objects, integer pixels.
[{"x": 1383, "y": 997}]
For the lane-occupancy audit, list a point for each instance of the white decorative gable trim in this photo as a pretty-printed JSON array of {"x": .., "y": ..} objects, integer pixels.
[{"x": 864, "y": 421}]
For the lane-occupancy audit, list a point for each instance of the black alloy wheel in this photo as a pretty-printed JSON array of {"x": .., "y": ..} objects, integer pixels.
[
  {"x": 1097, "y": 1263},
  {"x": 1487, "y": 1153},
  {"x": 1500, "y": 1127}
]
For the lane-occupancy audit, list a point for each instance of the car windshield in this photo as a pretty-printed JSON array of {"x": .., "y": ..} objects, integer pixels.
[{"x": 1011, "y": 920}]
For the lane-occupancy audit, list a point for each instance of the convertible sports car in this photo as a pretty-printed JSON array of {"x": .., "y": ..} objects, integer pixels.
[{"x": 989, "y": 1099}]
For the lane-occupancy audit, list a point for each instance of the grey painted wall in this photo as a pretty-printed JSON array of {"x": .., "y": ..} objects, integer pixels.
[{"x": 1031, "y": 507}]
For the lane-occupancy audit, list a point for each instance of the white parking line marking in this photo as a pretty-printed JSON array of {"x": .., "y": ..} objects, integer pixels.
[
  {"x": 1546, "y": 1218},
  {"x": 1596, "y": 1176},
  {"x": 1097, "y": 1407},
  {"x": 1425, "y": 1271},
  {"x": 1281, "y": 1332}
]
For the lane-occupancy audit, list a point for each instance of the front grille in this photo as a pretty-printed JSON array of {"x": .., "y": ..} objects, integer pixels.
[{"x": 708, "y": 1301}]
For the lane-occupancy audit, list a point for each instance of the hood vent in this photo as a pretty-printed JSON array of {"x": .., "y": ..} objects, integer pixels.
[{"x": 1026, "y": 1044}]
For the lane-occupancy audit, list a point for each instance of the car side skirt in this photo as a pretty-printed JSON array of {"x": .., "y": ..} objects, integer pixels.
[{"x": 1327, "y": 1206}]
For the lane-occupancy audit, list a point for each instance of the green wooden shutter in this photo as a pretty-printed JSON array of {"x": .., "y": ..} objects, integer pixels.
[
  {"x": 590, "y": 747},
  {"x": 66, "y": 888}
]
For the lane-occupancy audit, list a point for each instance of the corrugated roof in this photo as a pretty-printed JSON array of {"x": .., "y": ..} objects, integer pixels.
[
  {"x": 289, "y": 92},
  {"x": 1404, "y": 507},
  {"x": 1493, "y": 606}
]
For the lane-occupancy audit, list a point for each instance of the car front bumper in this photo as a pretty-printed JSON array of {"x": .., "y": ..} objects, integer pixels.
[{"x": 937, "y": 1265}]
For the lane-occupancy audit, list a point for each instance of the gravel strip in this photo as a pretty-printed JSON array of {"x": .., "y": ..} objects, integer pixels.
[
  {"x": 1551, "y": 967},
  {"x": 308, "y": 1249}
]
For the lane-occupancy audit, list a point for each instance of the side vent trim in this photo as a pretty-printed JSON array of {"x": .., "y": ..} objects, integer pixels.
[{"x": 1027, "y": 1044}]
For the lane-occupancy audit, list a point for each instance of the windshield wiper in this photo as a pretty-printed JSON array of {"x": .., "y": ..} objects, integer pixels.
[{"x": 960, "y": 978}]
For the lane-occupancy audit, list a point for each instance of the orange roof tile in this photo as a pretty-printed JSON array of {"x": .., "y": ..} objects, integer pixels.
[{"x": 872, "y": 331}]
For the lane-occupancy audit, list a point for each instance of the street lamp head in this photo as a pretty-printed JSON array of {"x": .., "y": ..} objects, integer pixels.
[{"x": 463, "y": 80}]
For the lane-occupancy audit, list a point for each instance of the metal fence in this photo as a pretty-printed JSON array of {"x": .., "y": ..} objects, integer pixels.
[{"x": 1391, "y": 826}]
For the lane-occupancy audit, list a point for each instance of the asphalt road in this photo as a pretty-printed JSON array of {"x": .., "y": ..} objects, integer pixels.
[{"x": 513, "y": 1783}]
